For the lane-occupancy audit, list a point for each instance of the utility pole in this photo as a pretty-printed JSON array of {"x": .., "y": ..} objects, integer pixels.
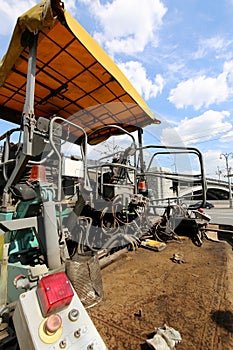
[{"x": 228, "y": 169}]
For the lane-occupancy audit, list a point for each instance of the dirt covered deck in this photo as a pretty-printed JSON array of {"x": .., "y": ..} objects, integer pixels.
[{"x": 144, "y": 289}]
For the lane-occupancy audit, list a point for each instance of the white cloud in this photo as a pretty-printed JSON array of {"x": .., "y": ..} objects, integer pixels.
[
  {"x": 203, "y": 91},
  {"x": 127, "y": 26},
  {"x": 212, "y": 162},
  {"x": 10, "y": 10},
  {"x": 136, "y": 73},
  {"x": 71, "y": 6},
  {"x": 228, "y": 137},
  {"x": 215, "y": 43},
  {"x": 198, "y": 129}
]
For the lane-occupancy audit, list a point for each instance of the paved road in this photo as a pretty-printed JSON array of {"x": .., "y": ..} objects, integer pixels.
[{"x": 221, "y": 215}]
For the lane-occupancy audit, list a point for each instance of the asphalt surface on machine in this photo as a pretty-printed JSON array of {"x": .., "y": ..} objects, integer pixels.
[{"x": 145, "y": 289}]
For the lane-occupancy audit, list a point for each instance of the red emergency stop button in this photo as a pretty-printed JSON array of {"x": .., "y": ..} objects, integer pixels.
[
  {"x": 50, "y": 329},
  {"x": 52, "y": 324}
]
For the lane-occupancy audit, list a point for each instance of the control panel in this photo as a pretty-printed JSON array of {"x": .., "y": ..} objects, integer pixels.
[{"x": 69, "y": 329}]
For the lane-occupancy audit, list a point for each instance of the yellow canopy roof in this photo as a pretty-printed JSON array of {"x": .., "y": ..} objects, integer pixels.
[{"x": 75, "y": 78}]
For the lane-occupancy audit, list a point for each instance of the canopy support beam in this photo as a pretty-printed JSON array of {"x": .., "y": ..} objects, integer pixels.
[{"x": 29, "y": 121}]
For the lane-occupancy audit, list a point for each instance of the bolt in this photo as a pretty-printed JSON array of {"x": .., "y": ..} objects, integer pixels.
[
  {"x": 90, "y": 346},
  {"x": 73, "y": 315},
  {"x": 77, "y": 333},
  {"x": 62, "y": 344}
]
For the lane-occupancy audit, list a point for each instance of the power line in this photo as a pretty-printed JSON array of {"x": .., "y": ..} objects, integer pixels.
[{"x": 200, "y": 137}]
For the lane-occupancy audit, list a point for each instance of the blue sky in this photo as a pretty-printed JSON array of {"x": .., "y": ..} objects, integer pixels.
[{"x": 178, "y": 55}]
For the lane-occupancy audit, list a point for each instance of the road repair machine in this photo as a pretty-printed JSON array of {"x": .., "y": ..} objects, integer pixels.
[{"x": 63, "y": 210}]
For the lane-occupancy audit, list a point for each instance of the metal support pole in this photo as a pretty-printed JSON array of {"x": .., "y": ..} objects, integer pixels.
[
  {"x": 51, "y": 235},
  {"x": 28, "y": 120},
  {"x": 141, "y": 160},
  {"x": 28, "y": 110}
]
